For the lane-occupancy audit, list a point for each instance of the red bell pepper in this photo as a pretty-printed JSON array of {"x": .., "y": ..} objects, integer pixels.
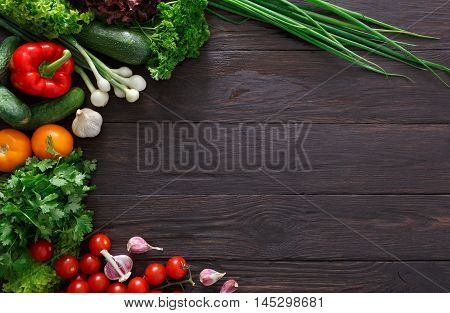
[{"x": 42, "y": 69}]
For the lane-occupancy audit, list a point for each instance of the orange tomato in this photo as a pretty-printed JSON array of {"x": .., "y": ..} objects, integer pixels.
[
  {"x": 15, "y": 149},
  {"x": 60, "y": 137}
]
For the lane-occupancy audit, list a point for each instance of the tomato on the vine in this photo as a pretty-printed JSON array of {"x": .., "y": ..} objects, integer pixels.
[
  {"x": 66, "y": 266},
  {"x": 78, "y": 286},
  {"x": 98, "y": 243},
  {"x": 156, "y": 291},
  {"x": 155, "y": 274},
  {"x": 98, "y": 282},
  {"x": 90, "y": 264},
  {"x": 138, "y": 285},
  {"x": 116, "y": 288},
  {"x": 176, "y": 267},
  {"x": 41, "y": 250}
]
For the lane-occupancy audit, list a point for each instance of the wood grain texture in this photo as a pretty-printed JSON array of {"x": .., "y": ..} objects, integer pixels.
[
  {"x": 328, "y": 276},
  {"x": 288, "y": 86},
  {"x": 378, "y": 190},
  {"x": 278, "y": 228},
  {"x": 345, "y": 159}
]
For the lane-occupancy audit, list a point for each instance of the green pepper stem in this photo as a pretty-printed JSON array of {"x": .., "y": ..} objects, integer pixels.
[{"x": 48, "y": 70}]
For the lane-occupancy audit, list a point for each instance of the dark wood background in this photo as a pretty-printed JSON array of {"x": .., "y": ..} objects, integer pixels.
[{"x": 372, "y": 216}]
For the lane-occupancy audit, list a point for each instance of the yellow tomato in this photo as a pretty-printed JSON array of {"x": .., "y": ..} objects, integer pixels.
[
  {"x": 15, "y": 149},
  {"x": 49, "y": 137}
]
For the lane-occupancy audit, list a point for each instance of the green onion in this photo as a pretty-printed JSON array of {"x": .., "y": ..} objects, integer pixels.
[{"x": 332, "y": 34}]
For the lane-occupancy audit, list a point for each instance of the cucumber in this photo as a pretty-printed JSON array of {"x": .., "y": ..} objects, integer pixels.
[
  {"x": 124, "y": 45},
  {"x": 12, "y": 110},
  {"x": 7, "y": 48},
  {"x": 54, "y": 110}
]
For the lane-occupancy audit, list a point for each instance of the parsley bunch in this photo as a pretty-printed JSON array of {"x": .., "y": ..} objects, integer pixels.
[
  {"x": 176, "y": 33},
  {"x": 49, "y": 18},
  {"x": 42, "y": 200}
]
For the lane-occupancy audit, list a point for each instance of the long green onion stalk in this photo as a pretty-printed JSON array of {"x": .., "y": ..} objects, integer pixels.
[{"x": 335, "y": 33}]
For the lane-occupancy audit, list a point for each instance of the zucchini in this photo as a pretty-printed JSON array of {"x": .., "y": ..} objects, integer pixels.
[
  {"x": 55, "y": 110},
  {"x": 124, "y": 45},
  {"x": 7, "y": 48},
  {"x": 12, "y": 110}
]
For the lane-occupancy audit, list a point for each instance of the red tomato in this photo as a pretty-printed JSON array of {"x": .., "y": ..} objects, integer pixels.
[
  {"x": 90, "y": 264},
  {"x": 80, "y": 276},
  {"x": 176, "y": 267},
  {"x": 41, "y": 250},
  {"x": 116, "y": 288},
  {"x": 66, "y": 266},
  {"x": 137, "y": 285},
  {"x": 177, "y": 290},
  {"x": 98, "y": 243},
  {"x": 155, "y": 291},
  {"x": 98, "y": 282},
  {"x": 155, "y": 274},
  {"x": 78, "y": 286}
]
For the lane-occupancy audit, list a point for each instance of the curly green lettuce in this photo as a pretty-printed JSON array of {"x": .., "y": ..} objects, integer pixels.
[
  {"x": 176, "y": 33},
  {"x": 49, "y": 18},
  {"x": 42, "y": 200}
]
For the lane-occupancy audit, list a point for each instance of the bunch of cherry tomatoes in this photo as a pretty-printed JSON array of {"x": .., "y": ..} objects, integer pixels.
[{"x": 84, "y": 274}]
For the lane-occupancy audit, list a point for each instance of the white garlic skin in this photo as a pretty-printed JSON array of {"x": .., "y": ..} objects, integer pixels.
[{"x": 87, "y": 123}]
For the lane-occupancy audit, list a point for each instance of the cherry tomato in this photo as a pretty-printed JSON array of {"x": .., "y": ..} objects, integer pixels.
[
  {"x": 41, "y": 250},
  {"x": 15, "y": 149},
  {"x": 116, "y": 288},
  {"x": 155, "y": 274},
  {"x": 98, "y": 243},
  {"x": 80, "y": 276},
  {"x": 176, "y": 267},
  {"x": 176, "y": 290},
  {"x": 61, "y": 140},
  {"x": 66, "y": 266},
  {"x": 78, "y": 286},
  {"x": 90, "y": 264},
  {"x": 137, "y": 285},
  {"x": 98, "y": 282},
  {"x": 155, "y": 291}
]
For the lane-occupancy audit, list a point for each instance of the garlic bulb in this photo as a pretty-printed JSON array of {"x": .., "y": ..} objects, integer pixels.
[{"x": 87, "y": 123}]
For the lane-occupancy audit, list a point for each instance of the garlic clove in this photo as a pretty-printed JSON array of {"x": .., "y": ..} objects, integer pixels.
[
  {"x": 229, "y": 286},
  {"x": 87, "y": 123},
  {"x": 209, "y": 277},
  {"x": 138, "y": 245},
  {"x": 123, "y": 272}
]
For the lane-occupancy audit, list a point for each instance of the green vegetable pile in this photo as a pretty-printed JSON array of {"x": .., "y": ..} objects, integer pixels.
[
  {"x": 176, "y": 33},
  {"x": 42, "y": 200},
  {"x": 49, "y": 18}
]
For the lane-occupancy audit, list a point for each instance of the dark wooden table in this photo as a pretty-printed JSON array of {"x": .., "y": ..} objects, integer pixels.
[{"x": 373, "y": 214}]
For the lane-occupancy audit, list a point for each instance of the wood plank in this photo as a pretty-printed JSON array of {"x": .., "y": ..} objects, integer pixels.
[
  {"x": 345, "y": 159},
  {"x": 387, "y": 228},
  {"x": 411, "y": 15},
  {"x": 304, "y": 277},
  {"x": 287, "y": 86}
]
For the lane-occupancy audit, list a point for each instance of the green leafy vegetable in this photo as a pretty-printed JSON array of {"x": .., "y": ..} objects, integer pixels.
[
  {"x": 42, "y": 200},
  {"x": 50, "y": 18},
  {"x": 176, "y": 33}
]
